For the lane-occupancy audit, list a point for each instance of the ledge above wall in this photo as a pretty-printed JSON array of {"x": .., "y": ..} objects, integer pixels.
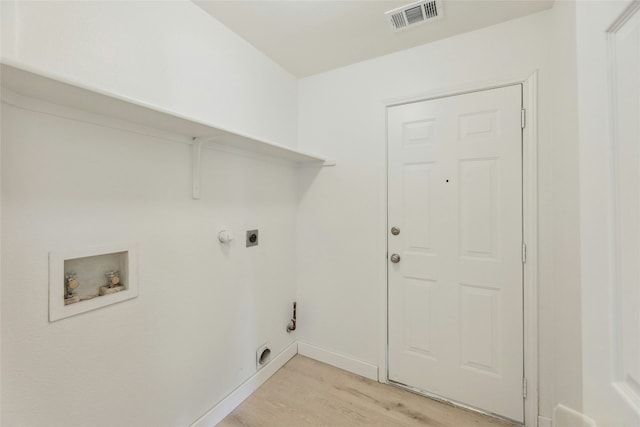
[{"x": 22, "y": 82}]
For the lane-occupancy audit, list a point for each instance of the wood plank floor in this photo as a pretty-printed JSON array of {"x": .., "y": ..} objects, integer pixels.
[{"x": 309, "y": 393}]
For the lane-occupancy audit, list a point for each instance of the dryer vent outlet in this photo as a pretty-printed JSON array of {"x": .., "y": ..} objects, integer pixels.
[{"x": 263, "y": 356}]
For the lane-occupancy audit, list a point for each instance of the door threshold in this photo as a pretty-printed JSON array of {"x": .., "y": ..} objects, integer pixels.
[{"x": 505, "y": 420}]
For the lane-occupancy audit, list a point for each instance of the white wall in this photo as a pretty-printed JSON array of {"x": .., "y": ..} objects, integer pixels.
[
  {"x": 170, "y": 54},
  {"x": 341, "y": 223},
  {"x": 189, "y": 339},
  {"x": 562, "y": 190}
]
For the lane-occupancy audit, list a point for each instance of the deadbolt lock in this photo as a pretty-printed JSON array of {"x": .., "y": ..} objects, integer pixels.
[{"x": 395, "y": 231}]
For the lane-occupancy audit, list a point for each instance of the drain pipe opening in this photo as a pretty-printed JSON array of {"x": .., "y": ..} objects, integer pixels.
[{"x": 263, "y": 355}]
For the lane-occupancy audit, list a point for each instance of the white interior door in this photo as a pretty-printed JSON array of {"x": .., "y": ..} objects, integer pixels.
[
  {"x": 455, "y": 295},
  {"x": 625, "y": 316}
]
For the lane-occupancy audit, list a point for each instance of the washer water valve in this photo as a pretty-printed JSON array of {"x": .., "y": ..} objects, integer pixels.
[
  {"x": 114, "y": 284},
  {"x": 71, "y": 284}
]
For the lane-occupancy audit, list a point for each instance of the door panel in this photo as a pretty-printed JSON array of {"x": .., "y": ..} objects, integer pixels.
[
  {"x": 418, "y": 338},
  {"x": 417, "y": 181},
  {"x": 455, "y": 297},
  {"x": 478, "y": 224},
  {"x": 480, "y": 328},
  {"x": 625, "y": 53}
]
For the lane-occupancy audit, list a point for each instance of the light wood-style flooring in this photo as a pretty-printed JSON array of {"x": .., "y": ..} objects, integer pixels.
[{"x": 306, "y": 392}]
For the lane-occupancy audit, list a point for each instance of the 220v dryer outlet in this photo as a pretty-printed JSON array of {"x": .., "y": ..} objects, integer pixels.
[{"x": 252, "y": 238}]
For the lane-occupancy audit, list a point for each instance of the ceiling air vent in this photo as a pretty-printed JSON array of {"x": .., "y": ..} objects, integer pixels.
[{"x": 414, "y": 13}]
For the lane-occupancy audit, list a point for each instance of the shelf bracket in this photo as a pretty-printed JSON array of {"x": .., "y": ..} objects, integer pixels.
[{"x": 196, "y": 150}]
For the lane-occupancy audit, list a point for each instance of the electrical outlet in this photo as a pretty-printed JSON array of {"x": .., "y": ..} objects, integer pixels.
[{"x": 252, "y": 238}]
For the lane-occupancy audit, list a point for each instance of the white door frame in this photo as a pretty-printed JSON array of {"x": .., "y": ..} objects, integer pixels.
[{"x": 529, "y": 223}]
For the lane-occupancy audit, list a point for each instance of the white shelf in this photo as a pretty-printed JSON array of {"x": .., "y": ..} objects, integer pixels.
[{"x": 61, "y": 92}]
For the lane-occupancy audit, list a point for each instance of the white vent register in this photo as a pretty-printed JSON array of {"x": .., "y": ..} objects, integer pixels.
[{"x": 414, "y": 14}]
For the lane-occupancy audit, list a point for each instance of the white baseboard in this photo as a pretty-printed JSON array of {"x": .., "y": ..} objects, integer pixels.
[
  {"x": 566, "y": 417},
  {"x": 544, "y": 422},
  {"x": 347, "y": 363},
  {"x": 236, "y": 397}
]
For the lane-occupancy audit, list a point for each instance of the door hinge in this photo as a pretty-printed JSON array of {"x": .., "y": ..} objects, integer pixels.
[
  {"x": 523, "y": 118},
  {"x": 524, "y": 388},
  {"x": 524, "y": 253}
]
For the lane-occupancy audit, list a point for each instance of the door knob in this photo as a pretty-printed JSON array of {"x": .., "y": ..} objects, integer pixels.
[
  {"x": 395, "y": 258},
  {"x": 395, "y": 231}
]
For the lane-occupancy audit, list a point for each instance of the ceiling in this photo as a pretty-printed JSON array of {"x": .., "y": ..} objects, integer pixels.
[{"x": 311, "y": 36}]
